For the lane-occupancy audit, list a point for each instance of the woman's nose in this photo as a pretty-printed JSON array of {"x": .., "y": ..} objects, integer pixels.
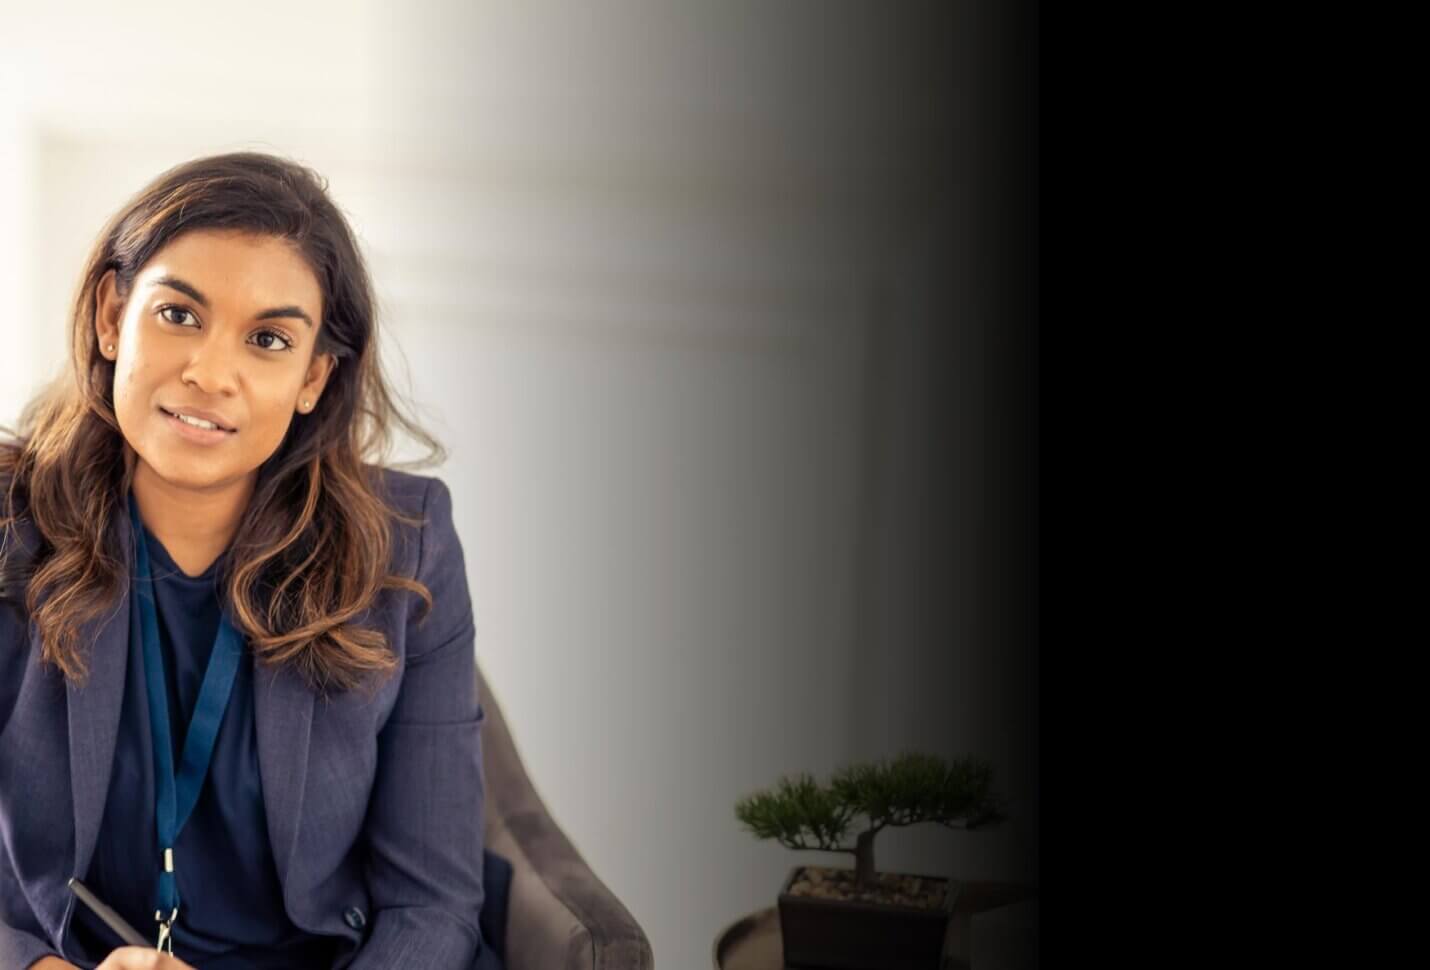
[{"x": 212, "y": 368}]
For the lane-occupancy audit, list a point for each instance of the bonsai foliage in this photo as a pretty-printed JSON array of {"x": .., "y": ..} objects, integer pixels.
[{"x": 802, "y": 814}]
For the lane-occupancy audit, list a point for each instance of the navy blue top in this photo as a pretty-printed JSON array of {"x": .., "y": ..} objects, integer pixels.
[{"x": 231, "y": 914}]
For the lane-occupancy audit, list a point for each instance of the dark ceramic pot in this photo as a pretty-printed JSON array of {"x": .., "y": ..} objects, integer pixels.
[{"x": 837, "y": 934}]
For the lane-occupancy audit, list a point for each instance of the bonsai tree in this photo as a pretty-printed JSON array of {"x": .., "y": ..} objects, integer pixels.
[{"x": 913, "y": 788}]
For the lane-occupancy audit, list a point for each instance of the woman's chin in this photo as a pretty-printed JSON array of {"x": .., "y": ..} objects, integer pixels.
[{"x": 192, "y": 474}]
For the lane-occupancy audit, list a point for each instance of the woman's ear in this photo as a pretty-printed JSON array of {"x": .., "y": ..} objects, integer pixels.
[
  {"x": 317, "y": 378},
  {"x": 108, "y": 308}
]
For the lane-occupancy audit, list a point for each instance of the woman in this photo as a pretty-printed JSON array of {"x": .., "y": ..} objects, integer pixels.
[{"x": 237, "y": 680}]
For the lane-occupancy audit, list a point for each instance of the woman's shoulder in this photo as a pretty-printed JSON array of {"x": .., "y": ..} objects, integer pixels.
[
  {"x": 19, "y": 540},
  {"x": 408, "y": 492},
  {"x": 425, "y": 503},
  {"x": 19, "y": 551},
  {"x": 425, "y": 538}
]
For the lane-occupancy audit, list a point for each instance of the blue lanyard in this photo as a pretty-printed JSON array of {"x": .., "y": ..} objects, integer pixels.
[{"x": 175, "y": 798}]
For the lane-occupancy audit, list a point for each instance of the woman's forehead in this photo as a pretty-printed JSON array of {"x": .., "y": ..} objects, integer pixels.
[{"x": 239, "y": 268}]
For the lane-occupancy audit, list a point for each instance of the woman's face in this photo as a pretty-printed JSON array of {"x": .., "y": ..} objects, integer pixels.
[{"x": 219, "y": 325}]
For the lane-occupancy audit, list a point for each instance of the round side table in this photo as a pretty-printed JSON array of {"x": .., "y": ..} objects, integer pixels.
[{"x": 753, "y": 942}]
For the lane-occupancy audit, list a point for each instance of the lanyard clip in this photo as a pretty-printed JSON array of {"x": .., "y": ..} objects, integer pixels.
[{"x": 166, "y": 927}]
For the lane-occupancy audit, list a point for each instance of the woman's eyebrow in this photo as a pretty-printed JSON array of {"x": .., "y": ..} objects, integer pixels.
[
  {"x": 192, "y": 292},
  {"x": 188, "y": 289},
  {"x": 286, "y": 311}
]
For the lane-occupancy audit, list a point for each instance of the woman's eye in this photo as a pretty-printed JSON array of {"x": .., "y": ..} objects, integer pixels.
[
  {"x": 266, "y": 339},
  {"x": 166, "y": 311},
  {"x": 262, "y": 335}
]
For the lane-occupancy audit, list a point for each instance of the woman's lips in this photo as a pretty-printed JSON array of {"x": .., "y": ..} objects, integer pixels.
[{"x": 202, "y": 436}]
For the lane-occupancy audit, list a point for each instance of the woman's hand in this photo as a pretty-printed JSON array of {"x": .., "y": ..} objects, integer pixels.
[{"x": 141, "y": 958}]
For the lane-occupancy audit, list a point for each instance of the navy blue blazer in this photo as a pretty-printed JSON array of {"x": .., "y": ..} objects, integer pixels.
[{"x": 374, "y": 805}]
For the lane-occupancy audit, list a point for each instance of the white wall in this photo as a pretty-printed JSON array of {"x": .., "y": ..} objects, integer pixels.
[{"x": 635, "y": 262}]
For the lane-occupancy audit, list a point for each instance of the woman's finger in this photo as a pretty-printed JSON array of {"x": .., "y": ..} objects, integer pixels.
[{"x": 141, "y": 958}]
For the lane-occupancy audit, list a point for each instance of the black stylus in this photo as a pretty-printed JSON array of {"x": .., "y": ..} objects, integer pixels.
[{"x": 111, "y": 919}]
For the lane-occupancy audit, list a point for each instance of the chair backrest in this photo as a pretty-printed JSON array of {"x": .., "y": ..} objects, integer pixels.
[{"x": 564, "y": 916}]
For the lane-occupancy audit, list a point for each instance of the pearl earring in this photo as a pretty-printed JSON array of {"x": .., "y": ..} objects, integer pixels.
[
  {"x": 110, "y": 348},
  {"x": 307, "y": 405}
]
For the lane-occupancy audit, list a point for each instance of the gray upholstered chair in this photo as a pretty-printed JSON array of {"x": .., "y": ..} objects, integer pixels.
[{"x": 560, "y": 916}]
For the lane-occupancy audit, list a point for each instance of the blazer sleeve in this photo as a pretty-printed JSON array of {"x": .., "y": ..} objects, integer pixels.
[{"x": 424, "y": 821}]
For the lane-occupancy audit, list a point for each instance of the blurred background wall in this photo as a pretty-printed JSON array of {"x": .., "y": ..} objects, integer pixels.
[{"x": 724, "y": 311}]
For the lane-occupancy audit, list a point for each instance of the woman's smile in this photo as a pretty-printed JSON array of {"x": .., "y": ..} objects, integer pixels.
[{"x": 196, "y": 429}]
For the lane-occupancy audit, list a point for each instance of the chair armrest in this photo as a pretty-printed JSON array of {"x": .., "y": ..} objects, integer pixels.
[{"x": 560, "y": 916}]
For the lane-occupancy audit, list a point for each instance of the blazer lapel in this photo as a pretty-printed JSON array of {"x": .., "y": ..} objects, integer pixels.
[
  {"x": 283, "y": 709},
  {"x": 94, "y": 719}
]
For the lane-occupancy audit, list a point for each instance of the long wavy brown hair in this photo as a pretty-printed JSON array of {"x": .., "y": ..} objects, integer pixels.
[{"x": 316, "y": 537}]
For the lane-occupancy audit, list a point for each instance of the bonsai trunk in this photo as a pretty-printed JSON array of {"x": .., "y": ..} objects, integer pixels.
[{"x": 864, "y": 859}]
